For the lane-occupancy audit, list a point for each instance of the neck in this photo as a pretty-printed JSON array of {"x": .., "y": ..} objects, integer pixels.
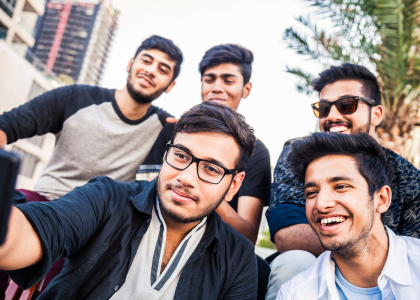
[
  {"x": 180, "y": 229},
  {"x": 363, "y": 268},
  {"x": 129, "y": 107}
]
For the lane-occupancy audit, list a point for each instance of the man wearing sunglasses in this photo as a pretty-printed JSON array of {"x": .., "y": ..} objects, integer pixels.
[
  {"x": 350, "y": 103},
  {"x": 147, "y": 240}
]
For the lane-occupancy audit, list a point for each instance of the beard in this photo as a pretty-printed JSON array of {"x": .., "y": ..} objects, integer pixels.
[
  {"x": 353, "y": 247},
  {"x": 176, "y": 217},
  {"x": 353, "y": 130},
  {"x": 138, "y": 96}
]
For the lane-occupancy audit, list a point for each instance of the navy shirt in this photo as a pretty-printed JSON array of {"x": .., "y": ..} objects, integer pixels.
[
  {"x": 98, "y": 227},
  {"x": 287, "y": 199}
]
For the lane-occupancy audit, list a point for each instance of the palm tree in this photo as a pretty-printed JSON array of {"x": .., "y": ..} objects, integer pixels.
[{"x": 382, "y": 35}]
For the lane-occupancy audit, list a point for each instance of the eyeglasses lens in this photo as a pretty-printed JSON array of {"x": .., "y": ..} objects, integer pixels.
[{"x": 207, "y": 171}]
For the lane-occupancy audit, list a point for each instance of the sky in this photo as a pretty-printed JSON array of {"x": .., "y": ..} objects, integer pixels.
[{"x": 275, "y": 110}]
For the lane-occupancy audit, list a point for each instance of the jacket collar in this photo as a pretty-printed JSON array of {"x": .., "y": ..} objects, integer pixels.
[{"x": 144, "y": 202}]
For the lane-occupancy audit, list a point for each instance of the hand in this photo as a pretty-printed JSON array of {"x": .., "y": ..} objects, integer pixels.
[
  {"x": 171, "y": 120},
  {"x": 3, "y": 139}
]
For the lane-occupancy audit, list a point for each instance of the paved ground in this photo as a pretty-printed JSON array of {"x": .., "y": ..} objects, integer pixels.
[{"x": 264, "y": 252}]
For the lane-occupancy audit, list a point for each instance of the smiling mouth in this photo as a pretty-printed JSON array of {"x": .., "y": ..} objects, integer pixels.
[
  {"x": 149, "y": 82},
  {"x": 337, "y": 127},
  {"x": 181, "y": 196},
  {"x": 327, "y": 222}
]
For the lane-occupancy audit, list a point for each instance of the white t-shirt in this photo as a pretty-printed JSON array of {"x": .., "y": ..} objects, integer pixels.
[{"x": 145, "y": 281}]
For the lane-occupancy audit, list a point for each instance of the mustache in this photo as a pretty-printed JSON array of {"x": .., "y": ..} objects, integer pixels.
[
  {"x": 182, "y": 188},
  {"x": 147, "y": 76}
]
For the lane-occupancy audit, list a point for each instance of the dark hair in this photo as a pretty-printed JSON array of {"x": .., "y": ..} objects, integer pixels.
[
  {"x": 229, "y": 53},
  {"x": 166, "y": 46},
  {"x": 349, "y": 71},
  {"x": 370, "y": 159},
  {"x": 213, "y": 117}
]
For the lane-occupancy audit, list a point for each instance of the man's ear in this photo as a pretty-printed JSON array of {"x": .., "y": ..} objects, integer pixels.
[
  {"x": 246, "y": 90},
  {"x": 235, "y": 186},
  {"x": 169, "y": 88},
  {"x": 384, "y": 199},
  {"x": 377, "y": 115},
  {"x": 129, "y": 65}
]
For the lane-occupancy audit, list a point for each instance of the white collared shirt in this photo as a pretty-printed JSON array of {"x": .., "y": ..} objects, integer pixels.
[{"x": 400, "y": 278}]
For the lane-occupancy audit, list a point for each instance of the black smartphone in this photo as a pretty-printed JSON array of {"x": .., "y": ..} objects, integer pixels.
[{"x": 9, "y": 168}]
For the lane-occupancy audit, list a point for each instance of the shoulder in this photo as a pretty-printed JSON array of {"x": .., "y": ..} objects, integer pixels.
[
  {"x": 413, "y": 246},
  {"x": 308, "y": 282},
  {"x": 162, "y": 115},
  {"x": 261, "y": 149},
  {"x": 115, "y": 189},
  {"x": 243, "y": 247}
]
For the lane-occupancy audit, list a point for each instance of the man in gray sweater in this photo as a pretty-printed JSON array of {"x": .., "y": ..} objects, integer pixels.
[{"x": 99, "y": 131}]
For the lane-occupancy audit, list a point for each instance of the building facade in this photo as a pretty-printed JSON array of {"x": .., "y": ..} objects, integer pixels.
[
  {"x": 74, "y": 37},
  {"x": 23, "y": 77}
]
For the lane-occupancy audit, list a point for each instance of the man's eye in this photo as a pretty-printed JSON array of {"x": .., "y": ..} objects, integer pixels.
[
  {"x": 164, "y": 71},
  {"x": 212, "y": 169},
  {"x": 311, "y": 194},
  {"x": 146, "y": 61},
  {"x": 341, "y": 186},
  {"x": 181, "y": 156},
  {"x": 208, "y": 80},
  {"x": 228, "y": 81}
]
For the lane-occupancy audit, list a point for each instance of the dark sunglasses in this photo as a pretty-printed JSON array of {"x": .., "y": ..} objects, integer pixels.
[{"x": 345, "y": 105}]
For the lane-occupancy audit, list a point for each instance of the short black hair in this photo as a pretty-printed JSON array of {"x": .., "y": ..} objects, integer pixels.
[
  {"x": 370, "y": 159},
  {"x": 166, "y": 46},
  {"x": 349, "y": 71},
  {"x": 218, "y": 118},
  {"x": 229, "y": 53}
]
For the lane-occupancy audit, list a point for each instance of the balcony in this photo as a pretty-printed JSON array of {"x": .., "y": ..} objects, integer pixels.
[{"x": 8, "y": 6}]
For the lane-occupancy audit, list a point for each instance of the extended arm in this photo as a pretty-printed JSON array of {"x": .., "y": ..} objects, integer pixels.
[
  {"x": 43, "y": 114},
  {"x": 298, "y": 237},
  {"x": 22, "y": 247},
  {"x": 247, "y": 220}
]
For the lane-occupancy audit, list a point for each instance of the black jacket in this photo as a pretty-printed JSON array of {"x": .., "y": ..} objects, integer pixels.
[{"x": 98, "y": 227}]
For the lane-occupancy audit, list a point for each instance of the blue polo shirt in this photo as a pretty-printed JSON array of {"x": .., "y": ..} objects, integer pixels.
[{"x": 98, "y": 228}]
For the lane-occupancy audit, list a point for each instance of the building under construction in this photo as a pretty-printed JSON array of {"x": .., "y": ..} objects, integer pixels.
[{"x": 74, "y": 37}]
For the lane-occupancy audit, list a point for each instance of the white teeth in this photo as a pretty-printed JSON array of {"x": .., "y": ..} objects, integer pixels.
[
  {"x": 338, "y": 128},
  {"x": 331, "y": 220}
]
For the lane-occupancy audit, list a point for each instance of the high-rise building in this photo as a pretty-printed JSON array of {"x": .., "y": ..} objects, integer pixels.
[{"x": 74, "y": 37}]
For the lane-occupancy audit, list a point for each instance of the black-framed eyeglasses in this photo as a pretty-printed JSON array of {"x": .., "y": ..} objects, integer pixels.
[
  {"x": 206, "y": 170},
  {"x": 345, "y": 105}
]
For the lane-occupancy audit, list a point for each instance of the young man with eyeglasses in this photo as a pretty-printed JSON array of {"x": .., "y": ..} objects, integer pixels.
[
  {"x": 225, "y": 78},
  {"x": 146, "y": 240},
  {"x": 350, "y": 103}
]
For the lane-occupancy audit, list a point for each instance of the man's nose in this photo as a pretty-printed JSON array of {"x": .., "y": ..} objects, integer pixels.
[
  {"x": 217, "y": 87},
  {"x": 325, "y": 201},
  {"x": 151, "y": 69},
  {"x": 334, "y": 114},
  {"x": 189, "y": 176}
]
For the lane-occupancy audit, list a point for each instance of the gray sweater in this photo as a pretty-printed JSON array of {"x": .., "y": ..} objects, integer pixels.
[{"x": 93, "y": 137}]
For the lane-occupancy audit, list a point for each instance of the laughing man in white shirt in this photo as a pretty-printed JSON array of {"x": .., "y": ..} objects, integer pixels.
[{"x": 346, "y": 183}]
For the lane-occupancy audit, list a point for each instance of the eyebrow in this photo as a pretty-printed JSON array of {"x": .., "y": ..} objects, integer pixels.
[
  {"x": 338, "y": 98},
  {"x": 210, "y": 159},
  {"x": 224, "y": 75},
  {"x": 162, "y": 63},
  {"x": 330, "y": 180}
]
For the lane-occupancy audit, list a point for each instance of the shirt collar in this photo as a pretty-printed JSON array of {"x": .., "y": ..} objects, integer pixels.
[
  {"x": 144, "y": 202},
  {"x": 396, "y": 267},
  {"x": 328, "y": 277}
]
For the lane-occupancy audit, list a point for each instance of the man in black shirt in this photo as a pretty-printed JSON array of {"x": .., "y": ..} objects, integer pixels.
[
  {"x": 162, "y": 235},
  {"x": 225, "y": 73}
]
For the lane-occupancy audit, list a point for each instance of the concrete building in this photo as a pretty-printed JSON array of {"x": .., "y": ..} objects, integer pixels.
[
  {"x": 74, "y": 37},
  {"x": 22, "y": 77}
]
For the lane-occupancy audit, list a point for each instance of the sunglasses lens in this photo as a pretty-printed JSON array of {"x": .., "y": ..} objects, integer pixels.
[
  {"x": 346, "y": 106},
  {"x": 315, "y": 108},
  {"x": 324, "y": 109}
]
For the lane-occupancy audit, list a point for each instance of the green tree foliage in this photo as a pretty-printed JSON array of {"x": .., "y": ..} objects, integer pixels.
[{"x": 382, "y": 35}]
